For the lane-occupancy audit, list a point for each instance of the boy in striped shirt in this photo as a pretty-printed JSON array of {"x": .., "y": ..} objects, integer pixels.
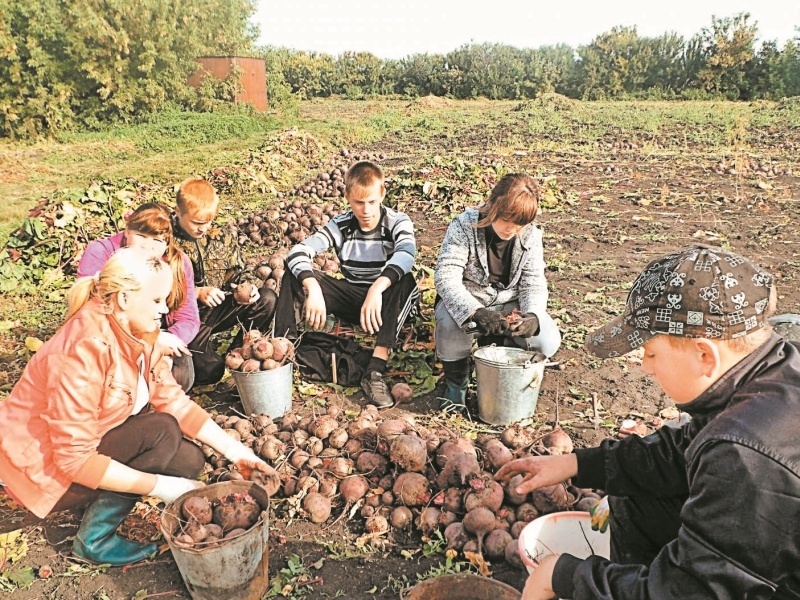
[{"x": 376, "y": 250}]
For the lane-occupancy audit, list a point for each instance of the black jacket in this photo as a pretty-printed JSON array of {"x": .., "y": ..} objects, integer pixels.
[{"x": 738, "y": 461}]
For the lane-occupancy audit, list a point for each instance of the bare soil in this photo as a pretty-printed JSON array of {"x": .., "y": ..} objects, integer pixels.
[{"x": 626, "y": 207}]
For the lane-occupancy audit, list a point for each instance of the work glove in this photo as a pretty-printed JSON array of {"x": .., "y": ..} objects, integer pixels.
[
  {"x": 247, "y": 462},
  {"x": 526, "y": 325},
  {"x": 600, "y": 515},
  {"x": 169, "y": 488},
  {"x": 490, "y": 322}
]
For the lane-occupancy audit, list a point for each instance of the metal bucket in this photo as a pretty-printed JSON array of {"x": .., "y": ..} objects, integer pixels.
[
  {"x": 237, "y": 569},
  {"x": 787, "y": 325},
  {"x": 462, "y": 586},
  {"x": 266, "y": 392},
  {"x": 508, "y": 380}
]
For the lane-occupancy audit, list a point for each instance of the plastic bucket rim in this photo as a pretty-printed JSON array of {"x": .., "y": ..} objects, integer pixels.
[{"x": 574, "y": 514}]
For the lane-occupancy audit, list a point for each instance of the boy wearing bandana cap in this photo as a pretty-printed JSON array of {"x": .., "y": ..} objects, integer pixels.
[{"x": 709, "y": 510}]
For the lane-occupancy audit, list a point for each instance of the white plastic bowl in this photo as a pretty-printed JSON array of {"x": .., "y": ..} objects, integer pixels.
[{"x": 567, "y": 532}]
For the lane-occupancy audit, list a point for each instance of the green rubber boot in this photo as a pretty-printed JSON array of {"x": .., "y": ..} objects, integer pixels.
[
  {"x": 456, "y": 381},
  {"x": 97, "y": 540}
]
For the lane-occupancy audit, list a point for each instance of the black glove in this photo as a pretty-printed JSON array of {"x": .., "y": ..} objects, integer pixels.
[
  {"x": 490, "y": 322},
  {"x": 526, "y": 326}
]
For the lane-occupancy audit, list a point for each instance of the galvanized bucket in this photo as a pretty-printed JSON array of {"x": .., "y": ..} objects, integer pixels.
[
  {"x": 266, "y": 392},
  {"x": 787, "y": 325},
  {"x": 508, "y": 380},
  {"x": 463, "y": 586},
  {"x": 236, "y": 569}
]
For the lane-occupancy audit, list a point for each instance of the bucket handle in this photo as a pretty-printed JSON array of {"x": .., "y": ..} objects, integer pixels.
[{"x": 537, "y": 379}]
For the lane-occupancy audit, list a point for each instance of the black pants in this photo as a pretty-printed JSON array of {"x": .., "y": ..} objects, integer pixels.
[
  {"x": 209, "y": 367},
  {"x": 641, "y": 526},
  {"x": 151, "y": 442},
  {"x": 344, "y": 299}
]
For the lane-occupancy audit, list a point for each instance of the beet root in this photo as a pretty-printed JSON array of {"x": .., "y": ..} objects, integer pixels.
[
  {"x": 197, "y": 508},
  {"x": 496, "y": 542},
  {"x": 458, "y": 470},
  {"x": 237, "y": 513},
  {"x": 410, "y": 452},
  {"x": 318, "y": 507},
  {"x": 411, "y": 489}
]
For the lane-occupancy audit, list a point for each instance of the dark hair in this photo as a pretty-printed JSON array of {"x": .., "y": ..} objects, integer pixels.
[
  {"x": 360, "y": 176},
  {"x": 514, "y": 198}
]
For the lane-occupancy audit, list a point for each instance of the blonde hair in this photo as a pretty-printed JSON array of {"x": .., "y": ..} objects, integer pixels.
[
  {"x": 198, "y": 197},
  {"x": 514, "y": 198},
  {"x": 153, "y": 219},
  {"x": 360, "y": 176},
  {"x": 123, "y": 272}
]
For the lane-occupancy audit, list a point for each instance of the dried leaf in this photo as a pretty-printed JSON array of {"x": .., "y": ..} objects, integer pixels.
[
  {"x": 33, "y": 344},
  {"x": 477, "y": 561}
]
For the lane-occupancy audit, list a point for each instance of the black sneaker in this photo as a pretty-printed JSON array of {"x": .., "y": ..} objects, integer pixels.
[{"x": 375, "y": 390}]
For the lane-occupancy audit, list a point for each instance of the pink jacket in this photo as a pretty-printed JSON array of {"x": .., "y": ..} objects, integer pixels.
[
  {"x": 78, "y": 386},
  {"x": 183, "y": 322}
]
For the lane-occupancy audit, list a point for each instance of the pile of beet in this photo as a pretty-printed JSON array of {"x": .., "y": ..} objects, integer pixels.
[
  {"x": 259, "y": 352},
  {"x": 271, "y": 268},
  {"x": 402, "y": 477},
  {"x": 208, "y": 523},
  {"x": 303, "y": 209}
]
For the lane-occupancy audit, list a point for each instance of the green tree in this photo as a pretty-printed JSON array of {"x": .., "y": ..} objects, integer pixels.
[
  {"x": 91, "y": 61},
  {"x": 729, "y": 47}
]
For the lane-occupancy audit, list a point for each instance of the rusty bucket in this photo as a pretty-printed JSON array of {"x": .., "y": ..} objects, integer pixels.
[
  {"x": 235, "y": 569},
  {"x": 462, "y": 586}
]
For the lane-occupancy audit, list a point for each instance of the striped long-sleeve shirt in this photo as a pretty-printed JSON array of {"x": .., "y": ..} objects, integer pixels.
[{"x": 388, "y": 250}]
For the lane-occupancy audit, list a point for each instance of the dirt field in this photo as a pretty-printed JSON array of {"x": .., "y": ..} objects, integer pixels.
[{"x": 622, "y": 204}]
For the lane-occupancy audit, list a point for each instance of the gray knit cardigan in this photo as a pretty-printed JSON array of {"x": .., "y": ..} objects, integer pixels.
[{"x": 462, "y": 270}]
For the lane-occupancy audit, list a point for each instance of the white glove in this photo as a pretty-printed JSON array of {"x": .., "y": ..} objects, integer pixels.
[
  {"x": 169, "y": 488},
  {"x": 238, "y": 451}
]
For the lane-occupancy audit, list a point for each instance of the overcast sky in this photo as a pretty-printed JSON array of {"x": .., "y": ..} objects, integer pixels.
[{"x": 396, "y": 29}]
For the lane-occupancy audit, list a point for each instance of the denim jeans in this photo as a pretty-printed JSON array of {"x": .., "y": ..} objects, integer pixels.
[{"x": 453, "y": 344}]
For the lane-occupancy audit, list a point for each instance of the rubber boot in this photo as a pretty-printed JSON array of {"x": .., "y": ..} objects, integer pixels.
[
  {"x": 97, "y": 540},
  {"x": 456, "y": 380}
]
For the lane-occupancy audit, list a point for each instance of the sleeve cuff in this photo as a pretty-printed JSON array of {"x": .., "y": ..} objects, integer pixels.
[
  {"x": 392, "y": 273},
  {"x": 303, "y": 275},
  {"x": 591, "y": 468},
  {"x": 564, "y": 575}
]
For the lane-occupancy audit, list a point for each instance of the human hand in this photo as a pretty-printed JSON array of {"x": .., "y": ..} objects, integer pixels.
[
  {"x": 169, "y": 488},
  {"x": 539, "y": 585},
  {"x": 172, "y": 344},
  {"x": 315, "y": 311},
  {"x": 210, "y": 295},
  {"x": 600, "y": 515},
  {"x": 490, "y": 322},
  {"x": 246, "y": 462},
  {"x": 539, "y": 471},
  {"x": 371, "y": 320},
  {"x": 525, "y": 325}
]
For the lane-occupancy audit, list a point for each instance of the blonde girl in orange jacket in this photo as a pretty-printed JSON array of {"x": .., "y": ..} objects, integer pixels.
[{"x": 98, "y": 419}]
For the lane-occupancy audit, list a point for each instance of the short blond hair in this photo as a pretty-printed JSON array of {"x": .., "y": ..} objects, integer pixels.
[
  {"x": 197, "y": 196},
  {"x": 361, "y": 176}
]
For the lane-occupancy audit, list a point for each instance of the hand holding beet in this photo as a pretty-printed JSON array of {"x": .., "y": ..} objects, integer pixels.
[
  {"x": 525, "y": 325},
  {"x": 490, "y": 322},
  {"x": 539, "y": 471}
]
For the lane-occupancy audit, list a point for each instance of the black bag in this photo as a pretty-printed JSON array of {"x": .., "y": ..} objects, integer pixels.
[{"x": 313, "y": 357}]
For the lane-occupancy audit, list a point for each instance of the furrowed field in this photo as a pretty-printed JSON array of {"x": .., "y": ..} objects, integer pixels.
[{"x": 623, "y": 181}]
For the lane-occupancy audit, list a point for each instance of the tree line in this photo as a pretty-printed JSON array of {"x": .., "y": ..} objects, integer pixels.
[
  {"x": 722, "y": 61},
  {"x": 67, "y": 64}
]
